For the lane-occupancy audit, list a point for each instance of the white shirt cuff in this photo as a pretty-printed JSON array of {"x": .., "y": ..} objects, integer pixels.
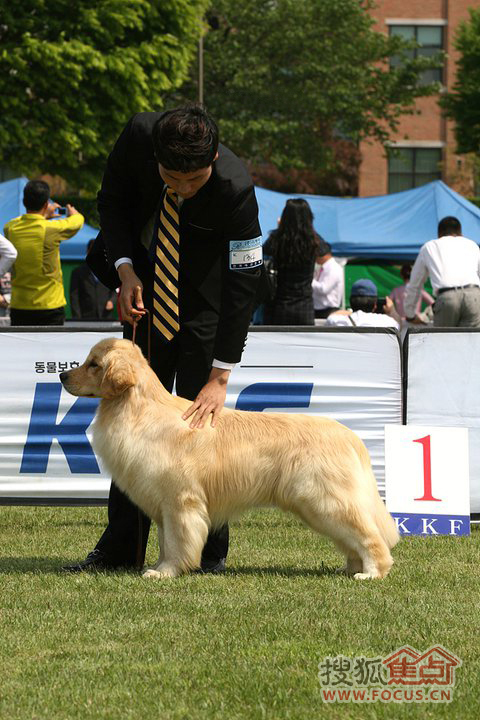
[
  {"x": 120, "y": 261},
  {"x": 223, "y": 365}
]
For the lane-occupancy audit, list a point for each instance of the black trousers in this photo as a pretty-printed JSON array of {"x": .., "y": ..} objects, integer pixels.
[
  {"x": 325, "y": 312},
  {"x": 37, "y": 317},
  {"x": 187, "y": 359}
]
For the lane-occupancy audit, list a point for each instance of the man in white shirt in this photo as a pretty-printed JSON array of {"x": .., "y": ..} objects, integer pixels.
[
  {"x": 8, "y": 255},
  {"x": 327, "y": 283},
  {"x": 453, "y": 264},
  {"x": 363, "y": 304}
]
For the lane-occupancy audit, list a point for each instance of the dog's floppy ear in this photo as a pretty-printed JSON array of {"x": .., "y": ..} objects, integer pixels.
[{"x": 118, "y": 376}]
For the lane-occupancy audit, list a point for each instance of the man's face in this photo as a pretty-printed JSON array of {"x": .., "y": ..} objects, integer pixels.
[{"x": 186, "y": 184}]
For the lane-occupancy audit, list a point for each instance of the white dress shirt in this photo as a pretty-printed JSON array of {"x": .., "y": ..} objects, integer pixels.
[
  {"x": 449, "y": 261},
  {"x": 327, "y": 285},
  {"x": 361, "y": 319},
  {"x": 8, "y": 255}
]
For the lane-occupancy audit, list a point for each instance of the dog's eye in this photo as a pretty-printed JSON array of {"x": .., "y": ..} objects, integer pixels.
[{"x": 93, "y": 364}]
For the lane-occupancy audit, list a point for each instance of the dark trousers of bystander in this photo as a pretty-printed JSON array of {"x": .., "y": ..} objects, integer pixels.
[
  {"x": 325, "y": 312},
  {"x": 37, "y": 317}
]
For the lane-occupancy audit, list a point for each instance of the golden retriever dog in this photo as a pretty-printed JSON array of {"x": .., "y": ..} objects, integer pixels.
[{"x": 189, "y": 480}]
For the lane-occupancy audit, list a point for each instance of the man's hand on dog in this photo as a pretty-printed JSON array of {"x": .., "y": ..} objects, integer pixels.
[
  {"x": 131, "y": 300},
  {"x": 210, "y": 400}
]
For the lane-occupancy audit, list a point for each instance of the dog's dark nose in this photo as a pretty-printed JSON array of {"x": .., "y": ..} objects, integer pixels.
[{"x": 63, "y": 376}]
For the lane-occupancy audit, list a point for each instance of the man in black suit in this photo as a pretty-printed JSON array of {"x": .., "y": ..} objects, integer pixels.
[
  {"x": 90, "y": 299},
  {"x": 171, "y": 165}
]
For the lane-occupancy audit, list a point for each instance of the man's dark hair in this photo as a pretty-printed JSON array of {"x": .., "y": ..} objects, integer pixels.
[
  {"x": 185, "y": 139},
  {"x": 324, "y": 248},
  {"x": 449, "y": 226},
  {"x": 406, "y": 271},
  {"x": 35, "y": 194},
  {"x": 366, "y": 303}
]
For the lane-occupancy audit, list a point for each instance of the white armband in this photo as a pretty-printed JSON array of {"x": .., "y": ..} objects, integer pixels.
[{"x": 246, "y": 253}]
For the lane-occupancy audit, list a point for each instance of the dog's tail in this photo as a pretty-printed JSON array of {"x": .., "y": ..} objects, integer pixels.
[
  {"x": 383, "y": 520},
  {"x": 385, "y": 523}
]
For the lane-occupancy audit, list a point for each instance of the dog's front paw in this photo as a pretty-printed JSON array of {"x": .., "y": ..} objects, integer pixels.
[
  {"x": 151, "y": 573},
  {"x": 160, "y": 572},
  {"x": 365, "y": 576}
]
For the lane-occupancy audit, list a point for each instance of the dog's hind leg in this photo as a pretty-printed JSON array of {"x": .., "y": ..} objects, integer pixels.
[
  {"x": 376, "y": 558},
  {"x": 367, "y": 553},
  {"x": 184, "y": 536},
  {"x": 353, "y": 562},
  {"x": 357, "y": 537}
]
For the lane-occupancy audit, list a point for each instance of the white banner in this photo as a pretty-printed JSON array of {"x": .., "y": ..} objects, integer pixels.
[
  {"x": 45, "y": 434},
  {"x": 443, "y": 389},
  {"x": 45, "y": 450}
]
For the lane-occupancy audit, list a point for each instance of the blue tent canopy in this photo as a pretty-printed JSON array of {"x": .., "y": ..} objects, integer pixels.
[
  {"x": 390, "y": 227},
  {"x": 11, "y": 205}
]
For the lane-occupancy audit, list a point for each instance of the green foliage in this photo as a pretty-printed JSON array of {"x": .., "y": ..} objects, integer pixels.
[
  {"x": 287, "y": 78},
  {"x": 463, "y": 103},
  {"x": 72, "y": 73}
]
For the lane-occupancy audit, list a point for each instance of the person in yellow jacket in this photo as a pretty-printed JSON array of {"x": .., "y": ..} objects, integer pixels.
[{"x": 38, "y": 296}]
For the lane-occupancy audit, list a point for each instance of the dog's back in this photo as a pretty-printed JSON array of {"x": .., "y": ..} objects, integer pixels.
[{"x": 295, "y": 457}]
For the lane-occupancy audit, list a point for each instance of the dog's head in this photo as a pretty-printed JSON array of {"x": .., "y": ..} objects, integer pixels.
[{"x": 109, "y": 370}]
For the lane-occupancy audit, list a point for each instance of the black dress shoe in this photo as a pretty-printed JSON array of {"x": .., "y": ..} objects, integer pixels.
[
  {"x": 213, "y": 567},
  {"x": 96, "y": 560}
]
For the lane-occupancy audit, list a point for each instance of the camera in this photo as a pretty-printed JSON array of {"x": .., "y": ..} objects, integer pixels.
[
  {"x": 62, "y": 210},
  {"x": 381, "y": 302}
]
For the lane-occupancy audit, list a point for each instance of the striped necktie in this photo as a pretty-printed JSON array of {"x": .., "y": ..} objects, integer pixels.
[{"x": 165, "y": 298}]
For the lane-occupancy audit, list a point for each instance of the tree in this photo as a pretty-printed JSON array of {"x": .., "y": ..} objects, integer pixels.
[
  {"x": 291, "y": 80},
  {"x": 463, "y": 103},
  {"x": 72, "y": 73}
]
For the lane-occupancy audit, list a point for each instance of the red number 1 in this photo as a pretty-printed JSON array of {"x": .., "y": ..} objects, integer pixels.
[{"x": 427, "y": 470}]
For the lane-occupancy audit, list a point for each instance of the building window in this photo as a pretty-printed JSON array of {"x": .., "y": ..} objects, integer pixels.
[
  {"x": 430, "y": 39},
  {"x": 412, "y": 167}
]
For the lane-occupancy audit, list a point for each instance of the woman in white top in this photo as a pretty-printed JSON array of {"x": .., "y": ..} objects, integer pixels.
[{"x": 327, "y": 283}]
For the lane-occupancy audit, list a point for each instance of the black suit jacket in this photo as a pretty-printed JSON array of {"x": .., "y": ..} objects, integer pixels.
[
  {"x": 88, "y": 296},
  {"x": 223, "y": 210}
]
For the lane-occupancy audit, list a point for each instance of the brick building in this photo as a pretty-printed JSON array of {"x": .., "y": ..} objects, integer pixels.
[{"x": 425, "y": 141}]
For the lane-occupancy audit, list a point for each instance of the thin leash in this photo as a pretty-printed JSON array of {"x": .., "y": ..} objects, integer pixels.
[
  {"x": 149, "y": 333},
  {"x": 140, "y": 554}
]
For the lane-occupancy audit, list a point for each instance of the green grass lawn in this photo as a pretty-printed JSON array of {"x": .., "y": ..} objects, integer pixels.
[{"x": 243, "y": 645}]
